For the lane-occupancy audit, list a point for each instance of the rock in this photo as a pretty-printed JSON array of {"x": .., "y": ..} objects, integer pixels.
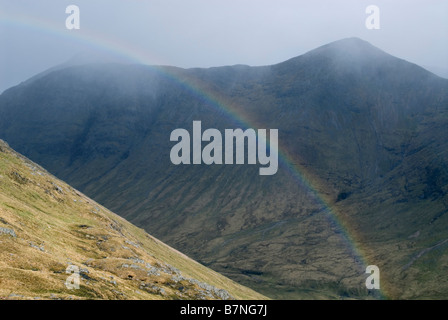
[
  {"x": 153, "y": 272},
  {"x": 132, "y": 266},
  {"x": 118, "y": 292},
  {"x": 151, "y": 288},
  {"x": 18, "y": 178},
  {"x": 137, "y": 260},
  {"x": 115, "y": 226},
  {"x": 58, "y": 188},
  {"x": 54, "y": 297},
  {"x": 178, "y": 278},
  {"x": 209, "y": 289},
  {"x": 173, "y": 270},
  {"x": 222, "y": 294},
  {"x": 96, "y": 210},
  {"x": 88, "y": 262},
  {"x": 132, "y": 243},
  {"x": 37, "y": 247},
  {"x": 8, "y": 231},
  {"x": 83, "y": 270}
]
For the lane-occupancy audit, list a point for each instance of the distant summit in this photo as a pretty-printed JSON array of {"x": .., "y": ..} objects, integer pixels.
[
  {"x": 345, "y": 49},
  {"x": 91, "y": 57},
  {"x": 352, "y": 46},
  {"x": 352, "y": 58}
]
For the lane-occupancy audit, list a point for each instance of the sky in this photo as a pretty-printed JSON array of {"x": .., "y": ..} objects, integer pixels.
[{"x": 206, "y": 33}]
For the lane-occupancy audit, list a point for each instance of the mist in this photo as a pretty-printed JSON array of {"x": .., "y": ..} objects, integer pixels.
[{"x": 200, "y": 33}]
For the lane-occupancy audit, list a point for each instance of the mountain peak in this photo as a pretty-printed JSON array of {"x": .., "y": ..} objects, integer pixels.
[
  {"x": 352, "y": 56},
  {"x": 350, "y": 50},
  {"x": 347, "y": 52},
  {"x": 353, "y": 41}
]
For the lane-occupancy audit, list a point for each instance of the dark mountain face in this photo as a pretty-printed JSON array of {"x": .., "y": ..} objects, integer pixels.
[{"x": 367, "y": 130}]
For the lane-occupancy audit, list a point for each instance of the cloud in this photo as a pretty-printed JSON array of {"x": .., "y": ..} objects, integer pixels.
[{"x": 204, "y": 33}]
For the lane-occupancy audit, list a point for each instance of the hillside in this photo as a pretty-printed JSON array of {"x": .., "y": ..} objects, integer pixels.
[
  {"x": 46, "y": 226},
  {"x": 362, "y": 178}
]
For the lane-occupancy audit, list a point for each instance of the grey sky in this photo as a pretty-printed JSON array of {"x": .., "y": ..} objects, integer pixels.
[{"x": 204, "y": 33}]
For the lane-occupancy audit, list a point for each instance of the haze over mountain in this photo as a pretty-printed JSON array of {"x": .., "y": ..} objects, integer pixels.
[{"x": 366, "y": 129}]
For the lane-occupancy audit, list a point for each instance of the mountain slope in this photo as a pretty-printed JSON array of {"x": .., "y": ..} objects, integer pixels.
[
  {"x": 367, "y": 130},
  {"x": 46, "y": 226}
]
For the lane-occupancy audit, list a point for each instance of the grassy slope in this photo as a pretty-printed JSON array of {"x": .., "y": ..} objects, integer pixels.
[{"x": 55, "y": 225}]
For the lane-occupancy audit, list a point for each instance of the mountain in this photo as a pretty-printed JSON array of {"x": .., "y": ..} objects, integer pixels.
[
  {"x": 47, "y": 227},
  {"x": 362, "y": 176}
]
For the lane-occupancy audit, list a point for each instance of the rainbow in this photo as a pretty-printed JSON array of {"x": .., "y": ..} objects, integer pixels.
[{"x": 132, "y": 53}]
